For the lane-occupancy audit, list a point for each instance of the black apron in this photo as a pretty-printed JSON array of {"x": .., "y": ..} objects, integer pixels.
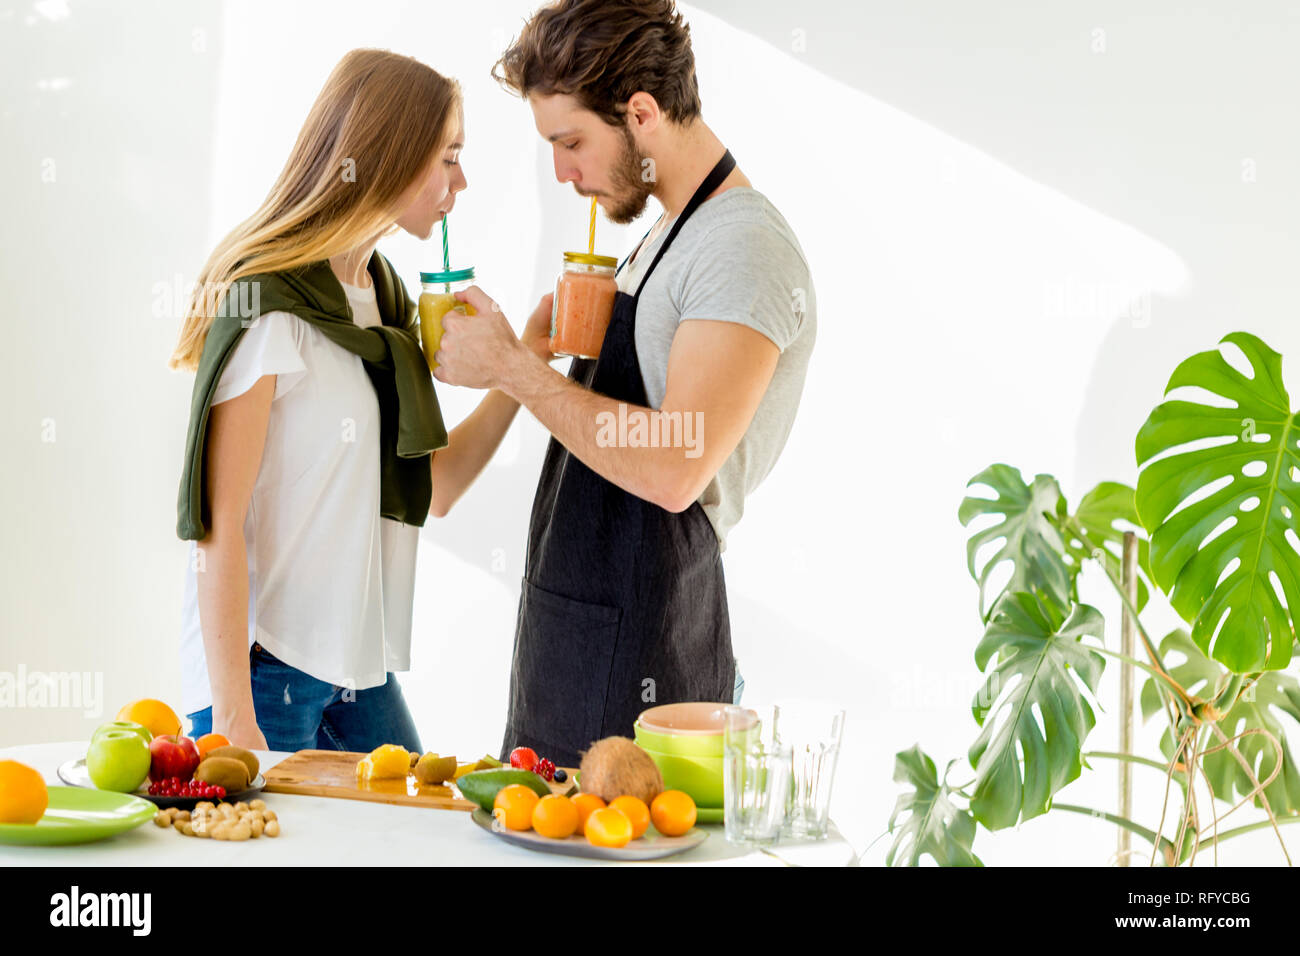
[{"x": 623, "y": 605}]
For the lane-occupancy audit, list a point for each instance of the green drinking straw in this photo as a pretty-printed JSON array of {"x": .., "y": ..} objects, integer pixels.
[{"x": 446, "y": 257}]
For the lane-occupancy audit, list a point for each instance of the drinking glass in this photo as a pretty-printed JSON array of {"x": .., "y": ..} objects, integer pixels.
[
  {"x": 755, "y": 776},
  {"x": 814, "y": 731}
]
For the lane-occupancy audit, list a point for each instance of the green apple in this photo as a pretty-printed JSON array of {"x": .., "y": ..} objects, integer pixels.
[
  {"x": 124, "y": 725},
  {"x": 118, "y": 760}
]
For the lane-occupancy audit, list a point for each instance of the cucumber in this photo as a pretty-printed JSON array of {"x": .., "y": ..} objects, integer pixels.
[{"x": 481, "y": 786}]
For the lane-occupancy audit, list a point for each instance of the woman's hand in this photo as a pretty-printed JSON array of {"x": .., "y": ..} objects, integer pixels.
[
  {"x": 241, "y": 730},
  {"x": 537, "y": 333}
]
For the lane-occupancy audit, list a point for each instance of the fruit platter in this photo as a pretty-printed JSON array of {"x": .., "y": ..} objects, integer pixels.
[
  {"x": 621, "y": 812},
  {"x": 143, "y": 753}
]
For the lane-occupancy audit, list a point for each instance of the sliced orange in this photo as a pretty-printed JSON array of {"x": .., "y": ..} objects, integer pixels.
[{"x": 609, "y": 827}]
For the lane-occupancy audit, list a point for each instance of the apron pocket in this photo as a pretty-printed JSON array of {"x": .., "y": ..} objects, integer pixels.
[{"x": 563, "y": 666}]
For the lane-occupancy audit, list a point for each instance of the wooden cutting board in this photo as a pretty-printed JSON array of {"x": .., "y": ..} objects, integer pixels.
[{"x": 333, "y": 773}]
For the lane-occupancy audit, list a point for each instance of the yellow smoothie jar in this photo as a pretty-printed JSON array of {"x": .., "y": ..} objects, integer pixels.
[{"x": 437, "y": 298}]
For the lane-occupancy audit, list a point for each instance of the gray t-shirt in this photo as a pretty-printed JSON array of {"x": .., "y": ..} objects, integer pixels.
[{"x": 735, "y": 260}]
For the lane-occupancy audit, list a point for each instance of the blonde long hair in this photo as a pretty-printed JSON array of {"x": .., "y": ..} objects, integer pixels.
[{"x": 376, "y": 126}]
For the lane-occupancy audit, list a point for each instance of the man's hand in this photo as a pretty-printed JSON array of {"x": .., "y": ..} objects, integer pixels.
[
  {"x": 477, "y": 350},
  {"x": 537, "y": 333}
]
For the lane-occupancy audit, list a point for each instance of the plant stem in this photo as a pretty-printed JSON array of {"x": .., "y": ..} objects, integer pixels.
[
  {"x": 1079, "y": 533},
  {"x": 1247, "y": 828},
  {"x": 1149, "y": 835},
  {"x": 1155, "y": 764},
  {"x": 1132, "y": 660}
]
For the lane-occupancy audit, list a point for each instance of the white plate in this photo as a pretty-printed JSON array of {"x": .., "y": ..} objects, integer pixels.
[{"x": 651, "y": 846}]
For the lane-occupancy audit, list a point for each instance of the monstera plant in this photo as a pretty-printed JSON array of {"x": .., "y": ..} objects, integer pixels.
[{"x": 1214, "y": 518}]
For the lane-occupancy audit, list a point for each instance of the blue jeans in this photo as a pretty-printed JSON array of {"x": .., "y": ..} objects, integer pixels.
[{"x": 295, "y": 711}]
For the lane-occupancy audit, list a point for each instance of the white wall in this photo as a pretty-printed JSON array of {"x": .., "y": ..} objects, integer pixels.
[{"x": 1017, "y": 225}]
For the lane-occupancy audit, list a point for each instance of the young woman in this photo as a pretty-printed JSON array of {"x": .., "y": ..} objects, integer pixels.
[{"x": 314, "y": 447}]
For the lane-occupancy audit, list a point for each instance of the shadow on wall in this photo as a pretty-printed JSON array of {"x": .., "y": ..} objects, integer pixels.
[{"x": 1062, "y": 98}]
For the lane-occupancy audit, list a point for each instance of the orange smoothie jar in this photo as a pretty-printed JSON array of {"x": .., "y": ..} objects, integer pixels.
[
  {"x": 437, "y": 298},
  {"x": 584, "y": 304}
]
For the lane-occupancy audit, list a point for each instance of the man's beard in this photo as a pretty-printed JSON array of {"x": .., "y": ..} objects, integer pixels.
[{"x": 631, "y": 192}]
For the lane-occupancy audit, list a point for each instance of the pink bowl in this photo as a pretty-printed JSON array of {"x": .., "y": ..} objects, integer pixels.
[{"x": 692, "y": 719}]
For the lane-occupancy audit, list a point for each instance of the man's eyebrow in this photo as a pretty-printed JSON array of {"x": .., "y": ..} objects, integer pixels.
[{"x": 562, "y": 134}]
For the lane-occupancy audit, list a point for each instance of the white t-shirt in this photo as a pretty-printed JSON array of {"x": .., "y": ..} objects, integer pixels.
[{"x": 330, "y": 582}]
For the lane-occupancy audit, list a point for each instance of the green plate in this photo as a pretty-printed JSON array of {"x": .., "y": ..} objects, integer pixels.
[{"x": 79, "y": 815}]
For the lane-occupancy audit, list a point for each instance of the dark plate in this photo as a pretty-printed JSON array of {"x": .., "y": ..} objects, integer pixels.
[{"x": 75, "y": 774}]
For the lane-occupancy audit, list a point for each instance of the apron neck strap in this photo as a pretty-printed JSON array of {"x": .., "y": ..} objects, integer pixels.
[{"x": 711, "y": 182}]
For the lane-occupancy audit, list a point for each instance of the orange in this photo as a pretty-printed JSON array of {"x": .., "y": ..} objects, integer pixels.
[
  {"x": 636, "y": 811},
  {"x": 673, "y": 812},
  {"x": 210, "y": 742},
  {"x": 155, "y": 716},
  {"x": 586, "y": 804},
  {"x": 514, "y": 805},
  {"x": 23, "y": 796},
  {"x": 555, "y": 817},
  {"x": 609, "y": 827}
]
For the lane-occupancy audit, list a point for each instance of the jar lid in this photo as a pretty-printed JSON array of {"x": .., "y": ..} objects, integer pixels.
[
  {"x": 456, "y": 275},
  {"x": 590, "y": 259}
]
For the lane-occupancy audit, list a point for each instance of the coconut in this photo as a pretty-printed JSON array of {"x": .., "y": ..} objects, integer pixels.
[{"x": 616, "y": 767}]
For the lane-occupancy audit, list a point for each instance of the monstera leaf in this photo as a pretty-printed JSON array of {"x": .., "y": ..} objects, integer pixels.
[
  {"x": 1097, "y": 515},
  {"x": 1041, "y": 664},
  {"x": 933, "y": 825},
  {"x": 1255, "y": 709},
  {"x": 1225, "y": 583},
  {"x": 1031, "y": 541}
]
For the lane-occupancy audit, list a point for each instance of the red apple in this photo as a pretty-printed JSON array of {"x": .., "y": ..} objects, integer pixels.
[{"x": 172, "y": 756}]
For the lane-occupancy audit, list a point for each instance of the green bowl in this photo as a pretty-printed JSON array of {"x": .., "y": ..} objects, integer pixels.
[
  {"x": 699, "y": 777},
  {"x": 681, "y": 745}
]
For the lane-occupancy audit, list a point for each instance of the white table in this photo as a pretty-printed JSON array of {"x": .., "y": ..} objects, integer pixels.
[{"x": 324, "y": 831}]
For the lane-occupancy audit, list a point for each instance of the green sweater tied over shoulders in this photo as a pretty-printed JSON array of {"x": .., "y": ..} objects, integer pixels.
[{"x": 411, "y": 426}]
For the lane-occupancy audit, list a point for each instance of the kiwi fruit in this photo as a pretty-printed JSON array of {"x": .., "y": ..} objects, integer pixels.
[
  {"x": 240, "y": 754},
  {"x": 616, "y": 767},
  {"x": 432, "y": 768},
  {"x": 224, "y": 772}
]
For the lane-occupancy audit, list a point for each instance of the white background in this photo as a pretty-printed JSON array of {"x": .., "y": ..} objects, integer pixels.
[{"x": 1020, "y": 217}]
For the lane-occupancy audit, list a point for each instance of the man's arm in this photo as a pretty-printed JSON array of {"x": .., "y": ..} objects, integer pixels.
[{"x": 717, "y": 375}]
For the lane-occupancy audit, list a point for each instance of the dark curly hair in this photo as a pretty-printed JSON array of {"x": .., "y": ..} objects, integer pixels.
[{"x": 603, "y": 51}]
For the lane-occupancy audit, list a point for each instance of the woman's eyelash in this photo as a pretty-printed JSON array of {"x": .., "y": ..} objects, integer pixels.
[{"x": 573, "y": 145}]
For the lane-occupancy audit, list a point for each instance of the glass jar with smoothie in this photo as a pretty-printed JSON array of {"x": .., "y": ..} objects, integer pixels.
[
  {"x": 437, "y": 298},
  {"x": 584, "y": 304}
]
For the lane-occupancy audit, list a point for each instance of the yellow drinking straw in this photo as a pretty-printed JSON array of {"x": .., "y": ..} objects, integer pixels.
[{"x": 591, "y": 234}]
